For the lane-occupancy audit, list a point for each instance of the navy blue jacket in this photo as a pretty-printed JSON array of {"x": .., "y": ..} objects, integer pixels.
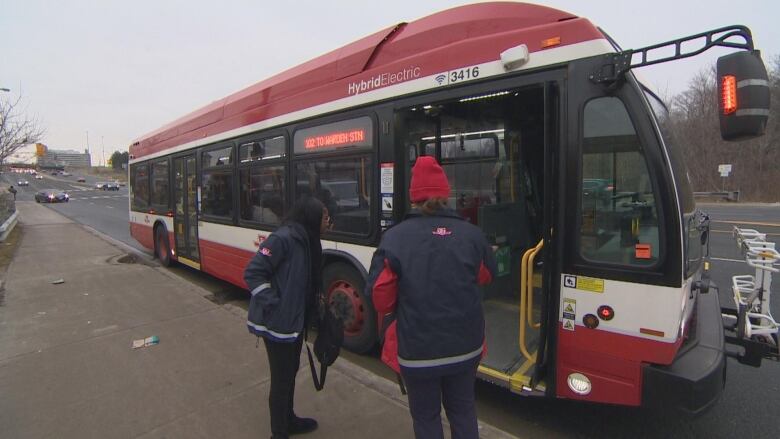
[
  {"x": 428, "y": 270},
  {"x": 279, "y": 280}
]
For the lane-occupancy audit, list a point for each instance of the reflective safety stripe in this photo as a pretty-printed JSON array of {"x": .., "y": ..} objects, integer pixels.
[
  {"x": 749, "y": 82},
  {"x": 261, "y": 287},
  {"x": 440, "y": 361},
  {"x": 753, "y": 112},
  {"x": 279, "y": 335}
]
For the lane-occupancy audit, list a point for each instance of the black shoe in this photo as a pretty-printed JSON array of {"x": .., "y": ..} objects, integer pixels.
[{"x": 301, "y": 425}]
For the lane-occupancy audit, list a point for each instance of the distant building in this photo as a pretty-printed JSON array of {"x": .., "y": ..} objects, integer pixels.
[{"x": 67, "y": 158}]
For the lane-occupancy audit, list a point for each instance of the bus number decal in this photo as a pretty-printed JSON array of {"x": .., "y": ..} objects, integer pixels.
[
  {"x": 461, "y": 75},
  {"x": 456, "y": 76}
]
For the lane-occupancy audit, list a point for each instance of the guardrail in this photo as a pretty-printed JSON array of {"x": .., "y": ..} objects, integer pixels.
[{"x": 726, "y": 195}]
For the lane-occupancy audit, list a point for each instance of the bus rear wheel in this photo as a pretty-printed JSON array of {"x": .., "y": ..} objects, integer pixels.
[
  {"x": 345, "y": 295},
  {"x": 162, "y": 248}
]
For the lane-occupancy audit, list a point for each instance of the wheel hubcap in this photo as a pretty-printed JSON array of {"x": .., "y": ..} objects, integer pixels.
[{"x": 345, "y": 301}]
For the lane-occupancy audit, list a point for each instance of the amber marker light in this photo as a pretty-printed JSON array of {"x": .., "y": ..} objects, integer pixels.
[{"x": 551, "y": 42}]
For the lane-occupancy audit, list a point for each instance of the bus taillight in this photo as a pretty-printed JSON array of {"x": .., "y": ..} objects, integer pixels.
[{"x": 728, "y": 93}]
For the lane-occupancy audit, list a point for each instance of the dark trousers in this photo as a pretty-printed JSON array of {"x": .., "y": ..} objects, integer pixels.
[
  {"x": 284, "y": 358},
  {"x": 455, "y": 390}
]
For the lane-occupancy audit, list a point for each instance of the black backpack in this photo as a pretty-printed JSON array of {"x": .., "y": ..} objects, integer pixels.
[{"x": 327, "y": 345}]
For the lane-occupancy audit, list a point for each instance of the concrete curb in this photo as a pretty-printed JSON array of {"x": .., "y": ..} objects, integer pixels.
[
  {"x": 147, "y": 258},
  {"x": 8, "y": 226}
]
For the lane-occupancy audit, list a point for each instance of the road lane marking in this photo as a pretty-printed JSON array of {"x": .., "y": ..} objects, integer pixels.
[
  {"x": 730, "y": 232},
  {"x": 750, "y": 223},
  {"x": 110, "y": 207},
  {"x": 742, "y": 261}
]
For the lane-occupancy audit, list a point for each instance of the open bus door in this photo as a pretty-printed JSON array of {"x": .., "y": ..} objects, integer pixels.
[
  {"x": 498, "y": 143},
  {"x": 520, "y": 226}
]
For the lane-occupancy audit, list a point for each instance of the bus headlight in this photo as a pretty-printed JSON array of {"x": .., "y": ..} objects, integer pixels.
[{"x": 579, "y": 383}]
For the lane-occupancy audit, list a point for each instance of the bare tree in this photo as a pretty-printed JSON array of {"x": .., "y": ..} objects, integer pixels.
[
  {"x": 16, "y": 128},
  {"x": 756, "y": 162}
]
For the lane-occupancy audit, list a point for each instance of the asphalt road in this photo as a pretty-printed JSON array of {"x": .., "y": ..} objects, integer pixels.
[{"x": 747, "y": 408}]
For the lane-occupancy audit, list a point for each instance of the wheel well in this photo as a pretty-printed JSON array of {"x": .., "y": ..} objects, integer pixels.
[{"x": 334, "y": 256}]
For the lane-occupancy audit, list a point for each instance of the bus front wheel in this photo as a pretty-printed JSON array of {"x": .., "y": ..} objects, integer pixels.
[
  {"x": 162, "y": 247},
  {"x": 344, "y": 293}
]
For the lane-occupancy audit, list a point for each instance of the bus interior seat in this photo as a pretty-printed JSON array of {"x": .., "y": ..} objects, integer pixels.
[{"x": 506, "y": 224}]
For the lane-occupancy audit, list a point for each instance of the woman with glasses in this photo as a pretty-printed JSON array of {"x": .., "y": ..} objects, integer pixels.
[{"x": 284, "y": 278}]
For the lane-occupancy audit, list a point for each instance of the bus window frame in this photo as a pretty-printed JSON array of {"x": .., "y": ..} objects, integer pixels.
[
  {"x": 653, "y": 182},
  {"x": 276, "y": 161},
  {"x": 200, "y": 170},
  {"x": 374, "y": 231},
  {"x": 689, "y": 211},
  {"x": 160, "y": 207},
  {"x": 580, "y": 90},
  {"x": 521, "y": 79},
  {"x": 132, "y": 183}
]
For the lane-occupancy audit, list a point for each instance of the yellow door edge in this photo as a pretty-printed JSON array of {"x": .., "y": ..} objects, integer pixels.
[
  {"x": 518, "y": 382},
  {"x": 189, "y": 263}
]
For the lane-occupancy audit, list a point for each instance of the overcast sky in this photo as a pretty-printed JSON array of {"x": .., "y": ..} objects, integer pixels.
[{"x": 119, "y": 69}]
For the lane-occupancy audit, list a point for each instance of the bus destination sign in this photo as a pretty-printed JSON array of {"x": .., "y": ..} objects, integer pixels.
[
  {"x": 335, "y": 139},
  {"x": 348, "y": 133}
]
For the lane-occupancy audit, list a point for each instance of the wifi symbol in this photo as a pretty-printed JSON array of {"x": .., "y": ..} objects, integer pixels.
[{"x": 440, "y": 79}]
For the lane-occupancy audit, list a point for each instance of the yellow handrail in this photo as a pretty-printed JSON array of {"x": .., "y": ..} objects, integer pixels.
[
  {"x": 523, "y": 304},
  {"x": 526, "y": 295},
  {"x": 529, "y": 289}
]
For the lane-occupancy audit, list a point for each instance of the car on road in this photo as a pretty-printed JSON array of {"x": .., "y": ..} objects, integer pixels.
[
  {"x": 39, "y": 177},
  {"x": 51, "y": 196},
  {"x": 597, "y": 192},
  {"x": 107, "y": 186},
  {"x": 22, "y": 183},
  {"x": 65, "y": 174},
  {"x": 81, "y": 180}
]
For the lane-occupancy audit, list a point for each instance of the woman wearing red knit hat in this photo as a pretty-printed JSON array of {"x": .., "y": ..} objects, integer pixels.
[{"x": 427, "y": 270}]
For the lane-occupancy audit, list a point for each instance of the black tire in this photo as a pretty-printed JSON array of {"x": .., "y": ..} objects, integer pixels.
[
  {"x": 344, "y": 288},
  {"x": 162, "y": 247}
]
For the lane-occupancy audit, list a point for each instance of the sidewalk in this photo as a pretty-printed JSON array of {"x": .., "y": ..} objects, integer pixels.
[{"x": 67, "y": 369}]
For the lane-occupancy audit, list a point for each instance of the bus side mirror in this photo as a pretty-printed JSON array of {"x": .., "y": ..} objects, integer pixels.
[{"x": 743, "y": 88}]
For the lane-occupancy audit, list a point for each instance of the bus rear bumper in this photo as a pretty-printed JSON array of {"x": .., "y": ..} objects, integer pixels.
[{"x": 694, "y": 381}]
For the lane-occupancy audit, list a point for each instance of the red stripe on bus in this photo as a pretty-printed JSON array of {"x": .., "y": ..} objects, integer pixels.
[
  {"x": 225, "y": 262},
  {"x": 612, "y": 362},
  {"x": 143, "y": 234}
]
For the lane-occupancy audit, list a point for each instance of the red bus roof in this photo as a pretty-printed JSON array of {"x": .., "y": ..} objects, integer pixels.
[{"x": 458, "y": 37}]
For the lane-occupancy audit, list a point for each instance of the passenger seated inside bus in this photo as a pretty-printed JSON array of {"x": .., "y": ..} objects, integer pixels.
[{"x": 268, "y": 210}]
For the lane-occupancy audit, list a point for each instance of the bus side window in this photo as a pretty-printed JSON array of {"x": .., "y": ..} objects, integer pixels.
[
  {"x": 618, "y": 208},
  {"x": 139, "y": 187}
]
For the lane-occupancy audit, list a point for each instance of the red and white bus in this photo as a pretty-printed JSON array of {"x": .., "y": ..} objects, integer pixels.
[{"x": 551, "y": 146}]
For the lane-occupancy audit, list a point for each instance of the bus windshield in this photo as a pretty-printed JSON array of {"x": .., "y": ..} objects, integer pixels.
[{"x": 682, "y": 175}]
